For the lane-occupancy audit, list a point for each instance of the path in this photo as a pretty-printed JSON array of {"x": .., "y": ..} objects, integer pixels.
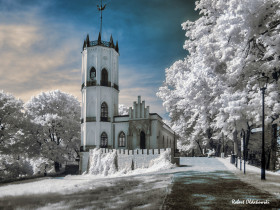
[
  {"x": 201, "y": 183},
  {"x": 207, "y": 184}
]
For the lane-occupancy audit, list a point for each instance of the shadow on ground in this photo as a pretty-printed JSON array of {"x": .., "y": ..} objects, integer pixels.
[
  {"x": 125, "y": 193},
  {"x": 214, "y": 190}
]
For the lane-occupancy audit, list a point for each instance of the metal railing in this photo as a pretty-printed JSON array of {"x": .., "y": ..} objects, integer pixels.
[
  {"x": 104, "y": 119},
  {"x": 91, "y": 119},
  {"x": 102, "y": 83},
  {"x": 91, "y": 83},
  {"x": 95, "y": 43},
  {"x": 116, "y": 86}
]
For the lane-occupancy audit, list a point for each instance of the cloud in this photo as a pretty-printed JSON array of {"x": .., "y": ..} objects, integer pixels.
[
  {"x": 128, "y": 96},
  {"x": 41, "y": 52},
  {"x": 18, "y": 37},
  {"x": 35, "y": 57},
  {"x": 134, "y": 83}
]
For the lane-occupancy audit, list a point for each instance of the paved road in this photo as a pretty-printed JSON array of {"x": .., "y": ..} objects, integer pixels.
[
  {"x": 206, "y": 184},
  {"x": 201, "y": 183}
]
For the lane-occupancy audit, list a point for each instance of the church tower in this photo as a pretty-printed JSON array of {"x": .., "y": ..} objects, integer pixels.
[
  {"x": 101, "y": 124},
  {"x": 100, "y": 94}
]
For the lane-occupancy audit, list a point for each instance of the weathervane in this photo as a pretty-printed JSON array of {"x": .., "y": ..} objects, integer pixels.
[{"x": 101, "y": 8}]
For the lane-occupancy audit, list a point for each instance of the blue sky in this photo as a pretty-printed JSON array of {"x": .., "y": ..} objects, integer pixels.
[{"x": 41, "y": 43}]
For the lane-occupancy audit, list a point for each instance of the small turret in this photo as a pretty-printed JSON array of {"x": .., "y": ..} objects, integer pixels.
[
  {"x": 117, "y": 47},
  {"x": 84, "y": 45},
  {"x": 99, "y": 39},
  {"x": 87, "y": 40},
  {"x": 111, "y": 42}
]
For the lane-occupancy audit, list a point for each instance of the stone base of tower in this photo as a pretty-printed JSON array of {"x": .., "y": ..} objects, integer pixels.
[{"x": 84, "y": 159}]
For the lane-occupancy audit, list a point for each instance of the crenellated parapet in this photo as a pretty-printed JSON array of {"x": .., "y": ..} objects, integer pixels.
[
  {"x": 131, "y": 159},
  {"x": 137, "y": 151}
]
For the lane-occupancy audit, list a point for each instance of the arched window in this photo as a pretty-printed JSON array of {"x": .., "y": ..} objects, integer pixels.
[
  {"x": 104, "y": 77},
  {"x": 122, "y": 139},
  {"x": 104, "y": 112},
  {"x": 104, "y": 140},
  {"x": 92, "y": 74}
]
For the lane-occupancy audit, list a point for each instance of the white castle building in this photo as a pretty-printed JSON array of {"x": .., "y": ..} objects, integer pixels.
[{"x": 101, "y": 124}]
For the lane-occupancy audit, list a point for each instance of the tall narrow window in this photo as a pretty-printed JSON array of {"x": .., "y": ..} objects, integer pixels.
[
  {"x": 92, "y": 74},
  {"x": 104, "y": 77},
  {"x": 104, "y": 112},
  {"x": 104, "y": 140},
  {"x": 142, "y": 140},
  {"x": 122, "y": 139},
  {"x": 163, "y": 142}
]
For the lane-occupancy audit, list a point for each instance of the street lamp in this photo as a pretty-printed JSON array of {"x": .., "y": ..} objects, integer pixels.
[{"x": 263, "y": 84}]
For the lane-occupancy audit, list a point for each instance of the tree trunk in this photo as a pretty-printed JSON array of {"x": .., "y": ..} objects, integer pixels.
[
  {"x": 268, "y": 159},
  {"x": 248, "y": 134},
  {"x": 199, "y": 146},
  {"x": 223, "y": 139},
  {"x": 235, "y": 151},
  {"x": 244, "y": 144},
  {"x": 273, "y": 147},
  {"x": 56, "y": 166},
  {"x": 218, "y": 151}
]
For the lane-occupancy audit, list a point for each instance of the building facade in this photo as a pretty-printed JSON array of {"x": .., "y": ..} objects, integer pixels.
[{"x": 101, "y": 125}]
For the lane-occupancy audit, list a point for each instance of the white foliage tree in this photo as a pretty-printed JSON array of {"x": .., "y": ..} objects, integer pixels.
[
  {"x": 123, "y": 109},
  {"x": 14, "y": 142},
  {"x": 11, "y": 117},
  {"x": 214, "y": 89},
  {"x": 57, "y": 116}
]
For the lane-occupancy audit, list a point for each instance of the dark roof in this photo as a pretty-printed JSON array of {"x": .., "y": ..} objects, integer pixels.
[
  {"x": 122, "y": 115},
  {"x": 156, "y": 114}
]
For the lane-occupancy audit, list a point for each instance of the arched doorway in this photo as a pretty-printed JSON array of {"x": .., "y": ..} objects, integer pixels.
[{"x": 142, "y": 140}]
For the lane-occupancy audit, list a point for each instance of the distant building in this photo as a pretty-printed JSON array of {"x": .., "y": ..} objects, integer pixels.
[{"x": 101, "y": 125}]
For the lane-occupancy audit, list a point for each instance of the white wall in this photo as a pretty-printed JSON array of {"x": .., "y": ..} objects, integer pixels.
[
  {"x": 102, "y": 57},
  {"x": 141, "y": 158},
  {"x": 84, "y": 158},
  {"x": 93, "y": 96},
  {"x": 154, "y": 134}
]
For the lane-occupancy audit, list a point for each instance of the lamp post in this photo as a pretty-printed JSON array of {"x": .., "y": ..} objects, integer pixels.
[{"x": 263, "y": 84}]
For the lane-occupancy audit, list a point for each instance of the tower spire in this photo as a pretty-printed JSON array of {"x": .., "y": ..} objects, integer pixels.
[{"x": 100, "y": 9}]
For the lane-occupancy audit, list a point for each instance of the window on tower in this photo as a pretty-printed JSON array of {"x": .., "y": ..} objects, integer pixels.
[
  {"x": 122, "y": 139},
  {"x": 104, "y": 77},
  {"x": 104, "y": 140},
  {"x": 92, "y": 74},
  {"x": 104, "y": 112}
]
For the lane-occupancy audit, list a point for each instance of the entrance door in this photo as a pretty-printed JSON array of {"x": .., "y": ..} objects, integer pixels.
[{"x": 142, "y": 140}]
